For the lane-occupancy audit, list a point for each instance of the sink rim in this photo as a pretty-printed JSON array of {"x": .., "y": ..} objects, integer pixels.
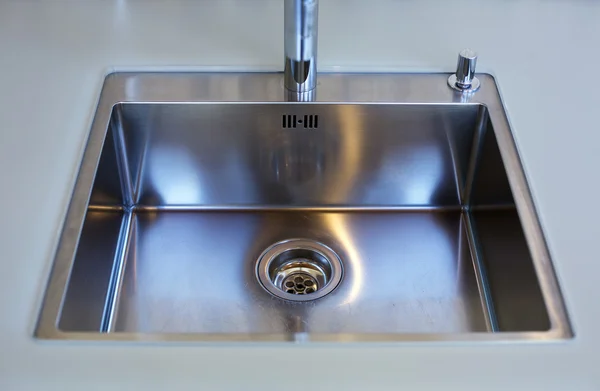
[{"x": 401, "y": 89}]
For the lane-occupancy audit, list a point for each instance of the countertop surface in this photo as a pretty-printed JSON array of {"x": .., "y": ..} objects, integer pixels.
[{"x": 54, "y": 55}]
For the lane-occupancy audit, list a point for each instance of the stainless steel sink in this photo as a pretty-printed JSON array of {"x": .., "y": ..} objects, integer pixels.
[{"x": 391, "y": 209}]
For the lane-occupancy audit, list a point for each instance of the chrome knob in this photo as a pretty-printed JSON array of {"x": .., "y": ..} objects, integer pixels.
[{"x": 464, "y": 79}]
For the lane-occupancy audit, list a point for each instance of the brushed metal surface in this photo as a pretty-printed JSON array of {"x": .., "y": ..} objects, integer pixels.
[
  {"x": 404, "y": 272},
  {"x": 239, "y": 154},
  {"x": 188, "y": 178}
]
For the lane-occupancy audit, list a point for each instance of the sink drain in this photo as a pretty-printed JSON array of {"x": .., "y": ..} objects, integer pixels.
[
  {"x": 299, "y": 270},
  {"x": 300, "y": 284}
]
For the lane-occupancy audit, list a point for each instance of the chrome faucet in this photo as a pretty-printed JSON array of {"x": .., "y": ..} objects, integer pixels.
[{"x": 300, "y": 74}]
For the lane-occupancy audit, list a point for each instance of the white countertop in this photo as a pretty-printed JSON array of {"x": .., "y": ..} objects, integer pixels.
[{"x": 54, "y": 54}]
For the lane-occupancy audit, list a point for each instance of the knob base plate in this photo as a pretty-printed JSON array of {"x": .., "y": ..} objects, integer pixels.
[{"x": 475, "y": 84}]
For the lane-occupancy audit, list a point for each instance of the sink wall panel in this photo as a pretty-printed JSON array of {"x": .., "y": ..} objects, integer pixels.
[
  {"x": 90, "y": 278},
  {"x": 239, "y": 154}
]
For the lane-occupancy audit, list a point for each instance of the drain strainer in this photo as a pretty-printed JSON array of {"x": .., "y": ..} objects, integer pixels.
[{"x": 299, "y": 270}]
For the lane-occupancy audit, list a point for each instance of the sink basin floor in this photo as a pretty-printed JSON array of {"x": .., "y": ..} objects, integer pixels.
[{"x": 403, "y": 272}]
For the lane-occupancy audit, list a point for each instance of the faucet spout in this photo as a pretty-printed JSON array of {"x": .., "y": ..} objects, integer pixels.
[{"x": 300, "y": 21}]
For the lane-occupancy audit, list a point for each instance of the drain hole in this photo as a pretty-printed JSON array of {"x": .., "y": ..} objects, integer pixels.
[
  {"x": 299, "y": 267},
  {"x": 300, "y": 277}
]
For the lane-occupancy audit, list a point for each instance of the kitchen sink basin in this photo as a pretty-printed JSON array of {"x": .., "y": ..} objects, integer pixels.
[{"x": 390, "y": 209}]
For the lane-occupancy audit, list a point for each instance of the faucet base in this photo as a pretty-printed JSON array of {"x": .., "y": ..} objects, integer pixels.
[{"x": 300, "y": 76}]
